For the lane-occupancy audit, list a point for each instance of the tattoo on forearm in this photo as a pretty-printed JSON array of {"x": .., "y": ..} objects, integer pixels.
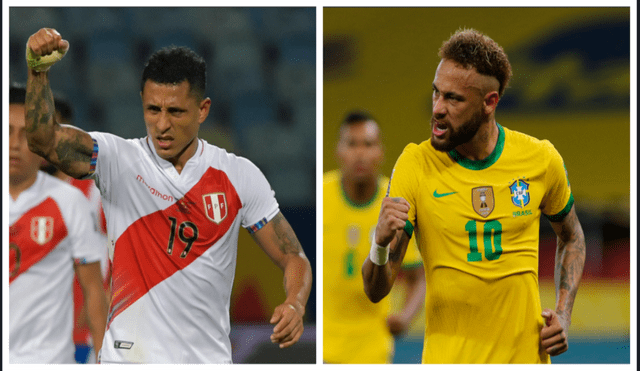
[
  {"x": 72, "y": 150},
  {"x": 287, "y": 240},
  {"x": 396, "y": 253},
  {"x": 570, "y": 257},
  {"x": 39, "y": 106}
]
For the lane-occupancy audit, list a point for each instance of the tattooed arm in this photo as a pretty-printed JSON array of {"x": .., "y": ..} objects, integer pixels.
[
  {"x": 65, "y": 146},
  {"x": 280, "y": 243},
  {"x": 570, "y": 257},
  {"x": 378, "y": 279}
]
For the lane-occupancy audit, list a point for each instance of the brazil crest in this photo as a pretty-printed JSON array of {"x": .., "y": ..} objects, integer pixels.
[{"x": 520, "y": 193}]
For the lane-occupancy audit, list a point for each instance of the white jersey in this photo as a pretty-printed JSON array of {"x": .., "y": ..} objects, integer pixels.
[
  {"x": 174, "y": 244},
  {"x": 50, "y": 228}
]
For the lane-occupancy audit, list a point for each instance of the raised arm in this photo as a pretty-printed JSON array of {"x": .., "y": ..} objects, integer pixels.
[
  {"x": 378, "y": 277},
  {"x": 67, "y": 147},
  {"x": 570, "y": 257},
  {"x": 280, "y": 243}
]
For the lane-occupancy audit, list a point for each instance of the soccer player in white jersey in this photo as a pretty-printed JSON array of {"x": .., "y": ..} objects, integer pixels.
[
  {"x": 174, "y": 205},
  {"x": 85, "y": 351},
  {"x": 51, "y": 235}
]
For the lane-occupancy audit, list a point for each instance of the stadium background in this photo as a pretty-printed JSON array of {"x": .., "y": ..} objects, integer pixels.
[
  {"x": 261, "y": 77},
  {"x": 571, "y": 85}
]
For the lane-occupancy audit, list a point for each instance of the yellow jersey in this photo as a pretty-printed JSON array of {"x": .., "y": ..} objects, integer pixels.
[
  {"x": 477, "y": 226},
  {"x": 354, "y": 329}
]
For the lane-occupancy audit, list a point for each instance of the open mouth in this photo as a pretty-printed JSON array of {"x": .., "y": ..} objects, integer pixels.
[
  {"x": 164, "y": 143},
  {"x": 439, "y": 128}
]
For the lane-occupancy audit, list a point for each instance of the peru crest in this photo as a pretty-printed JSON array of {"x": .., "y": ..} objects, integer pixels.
[
  {"x": 215, "y": 206},
  {"x": 41, "y": 229}
]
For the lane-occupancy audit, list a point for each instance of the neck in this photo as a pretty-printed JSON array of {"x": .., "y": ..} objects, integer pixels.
[
  {"x": 482, "y": 144},
  {"x": 181, "y": 159},
  {"x": 17, "y": 186},
  {"x": 359, "y": 192}
]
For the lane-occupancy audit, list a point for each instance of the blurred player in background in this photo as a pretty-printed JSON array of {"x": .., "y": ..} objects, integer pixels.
[
  {"x": 474, "y": 193},
  {"x": 51, "y": 235},
  {"x": 85, "y": 352},
  {"x": 356, "y": 330},
  {"x": 174, "y": 205}
]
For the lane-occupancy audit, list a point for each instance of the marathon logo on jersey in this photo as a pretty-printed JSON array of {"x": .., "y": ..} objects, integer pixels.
[
  {"x": 483, "y": 200},
  {"x": 215, "y": 206},
  {"x": 41, "y": 229},
  {"x": 118, "y": 344},
  {"x": 520, "y": 193}
]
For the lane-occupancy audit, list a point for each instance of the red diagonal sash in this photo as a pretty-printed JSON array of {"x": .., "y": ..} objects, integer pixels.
[
  {"x": 158, "y": 245},
  {"x": 34, "y": 235}
]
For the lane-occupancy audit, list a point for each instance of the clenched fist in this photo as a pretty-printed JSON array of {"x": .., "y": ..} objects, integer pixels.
[
  {"x": 45, "y": 48},
  {"x": 394, "y": 214}
]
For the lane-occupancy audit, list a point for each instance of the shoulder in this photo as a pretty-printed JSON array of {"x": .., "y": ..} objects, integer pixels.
[
  {"x": 525, "y": 143},
  {"x": 117, "y": 142},
  {"x": 331, "y": 177},
  {"x": 233, "y": 165},
  {"x": 64, "y": 194},
  {"x": 383, "y": 182},
  {"x": 417, "y": 156}
]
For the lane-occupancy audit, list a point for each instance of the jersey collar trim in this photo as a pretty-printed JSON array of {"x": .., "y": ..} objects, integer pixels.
[
  {"x": 166, "y": 164},
  {"x": 352, "y": 203},
  {"x": 485, "y": 163}
]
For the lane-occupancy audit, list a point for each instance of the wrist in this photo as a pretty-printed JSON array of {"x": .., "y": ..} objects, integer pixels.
[
  {"x": 379, "y": 255},
  {"x": 296, "y": 305}
]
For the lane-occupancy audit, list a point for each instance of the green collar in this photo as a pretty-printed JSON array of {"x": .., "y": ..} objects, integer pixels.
[
  {"x": 485, "y": 163},
  {"x": 357, "y": 205}
]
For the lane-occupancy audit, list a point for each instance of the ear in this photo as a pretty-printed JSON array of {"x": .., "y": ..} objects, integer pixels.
[
  {"x": 491, "y": 102},
  {"x": 205, "y": 106}
]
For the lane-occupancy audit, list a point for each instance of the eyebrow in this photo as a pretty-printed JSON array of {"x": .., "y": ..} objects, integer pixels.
[
  {"x": 447, "y": 94},
  {"x": 169, "y": 109}
]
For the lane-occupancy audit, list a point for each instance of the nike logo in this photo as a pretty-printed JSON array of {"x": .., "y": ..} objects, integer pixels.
[{"x": 438, "y": 195}]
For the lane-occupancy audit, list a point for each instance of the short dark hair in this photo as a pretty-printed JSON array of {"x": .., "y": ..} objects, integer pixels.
[
  {"x": 471, "y": 48},
  {"x": 355, "y": 117},
  {"x": 175, "y": 64},
  {"x": 17, "y": 93}
]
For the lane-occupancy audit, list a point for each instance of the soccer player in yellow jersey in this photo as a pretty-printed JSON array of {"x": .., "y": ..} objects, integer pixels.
[
  {"x": 356, "y": 330},
  {"x": 474, "y": 194}
]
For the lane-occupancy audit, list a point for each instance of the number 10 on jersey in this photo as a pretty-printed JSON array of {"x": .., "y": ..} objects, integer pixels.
[{"x": 492, "y": 240}]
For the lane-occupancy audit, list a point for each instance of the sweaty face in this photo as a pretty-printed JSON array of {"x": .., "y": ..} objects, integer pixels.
[
  {"x": 23, "y": 164},
  {"x": 360, "y": 151},
  {"x": 173, "y": 116},
  {"x": 457, "y": 106}
]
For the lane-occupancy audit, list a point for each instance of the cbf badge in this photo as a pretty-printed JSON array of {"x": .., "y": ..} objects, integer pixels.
[
  {"x": 520, "y": 193},
  {"x": 483, "y": 200},
  {"x": 215, "y": 206}
]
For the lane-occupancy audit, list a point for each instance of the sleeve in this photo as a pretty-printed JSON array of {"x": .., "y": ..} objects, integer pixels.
[
  {"x": 87, "y": 245},
  {"x": 104, "y": 162},
  {"x": 412, "y": 258},
  {"x": 404, "y": 182},
  {"x": 258, "y": 199},
  {"x": 558, "y": 199}
]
